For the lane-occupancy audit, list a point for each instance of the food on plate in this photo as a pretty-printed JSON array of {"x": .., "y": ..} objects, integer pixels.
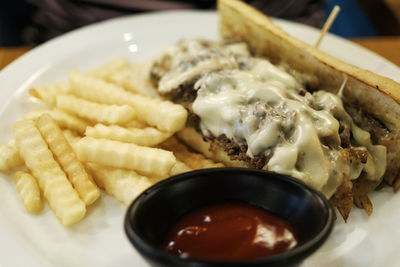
[
  {"x": 48, "y": 93},
  {"x": 125, "y": 185},
  {"x": 179, "y": 167},
  {"x": 147, "y": 136},
  {"x": 136, "y": 79},
  {"x": 65, "y": 156},
  {"x": 169, "y": 117},
  {"x": 106, "y": 71},
  {"x": 9, "y": 156},
  {"x": 58, "y": 191},
  {"x": 191, "y": 159},
  {"x": 71, "y": 136},
  {"x": 64, "y": 119},
  {"x": 101, "y": 113},
  {"x": 123, "y": 156},
  {"x": 230, "y": 230},
  {"x": 148, "y": 160},
  {"x": 263, "y": 99},
  {"x": 28, "y": 190}
]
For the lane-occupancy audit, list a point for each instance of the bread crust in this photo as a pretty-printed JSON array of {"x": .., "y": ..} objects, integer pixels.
[{"x": 241, "y": 22}]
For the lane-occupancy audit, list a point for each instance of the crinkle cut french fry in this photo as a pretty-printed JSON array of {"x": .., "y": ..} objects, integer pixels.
[
  {"x": 117, "y": 64},
  {"x": 140, "y": 79},
  {"x": 62, "y": 197},
  {"x": 164, "y": 115},
  {"x": 122, "y": 79},
  {"x": 63, "y": 119},
  {"x": 95, "y": 111},
  {"x": 124, "y": 185},
  {"x": 193, "y": 160},
  {"x": 29, "y": 192},
  {"x": 145, "y": 137},
  {"x": 76, "y": 173},
  {"x": 97, "y": 90},
  {"x": 179, "y": 168},
  {"x": 136, "y": 124},
  {"x": 146, "y": 160},
  {"x": 48, "y": 93},
  {"x": 71, "y": 136},
  {"x": 9, "y": 156},
  {"x": 136, "y": 79},
  {"x": 34, "y": 114}
]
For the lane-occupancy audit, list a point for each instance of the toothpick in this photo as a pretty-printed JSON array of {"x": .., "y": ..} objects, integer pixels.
[
  {"x": 328, "y": 24},
  {"x": 340, "y": 93}
]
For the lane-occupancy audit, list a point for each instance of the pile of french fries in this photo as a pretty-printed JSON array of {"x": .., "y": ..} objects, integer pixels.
[{"x": 104, "y": 129}]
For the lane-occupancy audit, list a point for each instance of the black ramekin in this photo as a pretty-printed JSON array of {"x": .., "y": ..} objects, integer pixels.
[{"x": 152, "y": 213}]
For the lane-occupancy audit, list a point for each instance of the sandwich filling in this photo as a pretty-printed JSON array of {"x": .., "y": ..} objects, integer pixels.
[{"x": 266, "y": 116}]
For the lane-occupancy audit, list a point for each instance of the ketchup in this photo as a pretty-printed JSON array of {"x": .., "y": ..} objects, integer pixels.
[{"x": 229, "y": 231}]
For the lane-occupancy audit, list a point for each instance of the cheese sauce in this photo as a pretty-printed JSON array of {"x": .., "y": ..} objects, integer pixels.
[{"x": 257, "y": 104}]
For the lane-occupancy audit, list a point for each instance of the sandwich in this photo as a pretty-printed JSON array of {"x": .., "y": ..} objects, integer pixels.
[{"x": 263, "y": 99}]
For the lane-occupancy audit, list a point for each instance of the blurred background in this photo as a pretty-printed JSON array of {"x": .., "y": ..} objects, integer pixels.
[{"x": 31, "y": 22}]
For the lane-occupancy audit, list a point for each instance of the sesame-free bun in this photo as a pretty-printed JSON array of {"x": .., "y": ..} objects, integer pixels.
[{"x": 376, "y": 94}]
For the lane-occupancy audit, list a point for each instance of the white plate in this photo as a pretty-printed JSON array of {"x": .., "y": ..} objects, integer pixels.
[{"x": 99, "y": 239}]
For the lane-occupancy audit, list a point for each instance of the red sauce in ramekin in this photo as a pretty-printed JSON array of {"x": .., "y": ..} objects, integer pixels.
[{"x": 230, "y": 231}]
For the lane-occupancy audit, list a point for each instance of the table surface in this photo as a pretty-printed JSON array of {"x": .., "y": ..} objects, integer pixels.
[{"x": 387, "y": 47}]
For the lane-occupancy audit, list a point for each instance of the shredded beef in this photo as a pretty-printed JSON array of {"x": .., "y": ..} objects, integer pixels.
[
  {"x": 354, "y": 154},
  {"x": 238, "y": 152},
  {"x": 381, "y": 135},
  {"x": 154, "y": 78},
  {"x": 231, "y": 148},
  {"x": 159, "y": 69},
  {"x": 343, "y": 198},
  {"x": 367, "y": 122},
  {"x": 193, "y": 121},
  {"x": 184, "y": 94},
  {"x": 344, "y": 133},
  {"x": 361, "y": 187}
]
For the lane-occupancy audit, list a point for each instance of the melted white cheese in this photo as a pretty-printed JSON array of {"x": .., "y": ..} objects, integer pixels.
[
  {"x": 260, "y": 106},
  {"x": 191, "y": 58}
]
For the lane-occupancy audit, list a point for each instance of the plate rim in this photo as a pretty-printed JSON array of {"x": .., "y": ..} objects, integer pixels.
[{"x": 54, "y": 43}]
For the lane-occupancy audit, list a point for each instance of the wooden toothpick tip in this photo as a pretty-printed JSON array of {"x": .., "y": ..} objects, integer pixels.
[{"x": 327, "y": 25}]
